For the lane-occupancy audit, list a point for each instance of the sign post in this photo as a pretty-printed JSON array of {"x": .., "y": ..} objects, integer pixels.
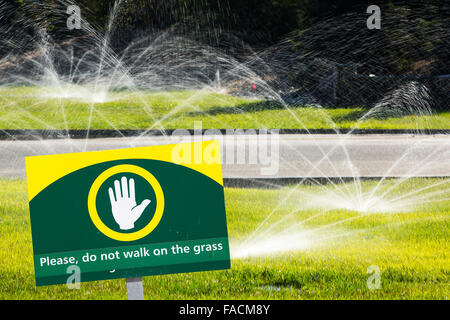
[
  {"x": 135, "y": 291},
  {"x": 128, "y": 213}
]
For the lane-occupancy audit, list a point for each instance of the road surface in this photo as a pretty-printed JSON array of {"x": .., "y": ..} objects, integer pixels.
[{"x": 276, "y": 156}]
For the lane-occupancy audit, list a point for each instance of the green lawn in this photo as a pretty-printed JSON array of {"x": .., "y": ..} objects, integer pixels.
[
  {"x": 36, "y": 108},
  {"x": 410, "y": 246}
]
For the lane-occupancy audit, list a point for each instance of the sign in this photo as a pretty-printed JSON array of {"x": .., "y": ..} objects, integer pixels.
[{"x": 128, "y": 213}]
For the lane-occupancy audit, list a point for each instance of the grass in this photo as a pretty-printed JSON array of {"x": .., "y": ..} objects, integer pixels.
[
  {"x": 35, "y": 108},
  {"x": 410, "y": 246}
]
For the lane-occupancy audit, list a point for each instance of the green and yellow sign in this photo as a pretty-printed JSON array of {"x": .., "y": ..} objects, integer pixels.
[{"x": 128, "y": 213}]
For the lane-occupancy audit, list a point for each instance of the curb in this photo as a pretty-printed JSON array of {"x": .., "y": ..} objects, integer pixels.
[
  {"x": 276, "y": 183},
  {"x": 28, "y": 134}
]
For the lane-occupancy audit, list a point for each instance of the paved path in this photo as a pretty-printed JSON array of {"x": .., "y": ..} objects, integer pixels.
[{"x": 299, "y": 155}]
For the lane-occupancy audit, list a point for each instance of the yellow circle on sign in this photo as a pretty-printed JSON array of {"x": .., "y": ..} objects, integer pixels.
[{"x": 92, "y": 203}]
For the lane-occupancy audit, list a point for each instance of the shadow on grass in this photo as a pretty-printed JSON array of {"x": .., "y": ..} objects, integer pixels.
[
  {"x": 343, "y": 114},
  {"x": 366, "y": 114},
  {"x": 243, "y": 108},
  {"x": 351, "y": 115}
]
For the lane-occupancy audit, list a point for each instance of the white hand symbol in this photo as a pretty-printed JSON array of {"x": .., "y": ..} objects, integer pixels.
[{"x": 123, "y": 204}]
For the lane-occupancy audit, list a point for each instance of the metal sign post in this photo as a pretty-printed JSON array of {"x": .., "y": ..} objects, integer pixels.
[{"x": 135, "y": 290}]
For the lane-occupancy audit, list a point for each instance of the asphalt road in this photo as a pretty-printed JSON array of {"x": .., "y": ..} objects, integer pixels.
[{"x": 276, "y": 156}]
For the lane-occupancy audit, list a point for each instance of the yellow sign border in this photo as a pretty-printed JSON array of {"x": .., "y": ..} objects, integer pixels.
[
  {"x": 42, "y": 171},
  {"x": 92, "y": 206}
]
